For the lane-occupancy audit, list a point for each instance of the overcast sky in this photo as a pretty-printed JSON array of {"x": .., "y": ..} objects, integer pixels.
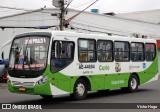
[{"x": 117, "y": 6}]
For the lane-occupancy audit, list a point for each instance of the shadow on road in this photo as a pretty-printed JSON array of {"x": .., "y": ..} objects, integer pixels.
[
  {"x": 113, "y": 93},
  {"x": 67, "y": 99}
]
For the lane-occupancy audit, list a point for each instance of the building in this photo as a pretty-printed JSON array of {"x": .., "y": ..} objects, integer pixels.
[{"x": 151, "y": 16}]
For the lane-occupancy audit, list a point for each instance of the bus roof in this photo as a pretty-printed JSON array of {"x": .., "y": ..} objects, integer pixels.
[{"x": 92, "y": 36}]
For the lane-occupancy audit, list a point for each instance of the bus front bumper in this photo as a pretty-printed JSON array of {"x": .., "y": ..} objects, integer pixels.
[{"x": 43, "y": 89}]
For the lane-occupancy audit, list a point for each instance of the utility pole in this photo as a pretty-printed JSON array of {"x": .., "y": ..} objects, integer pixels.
[{"x": 61, "y": 15}]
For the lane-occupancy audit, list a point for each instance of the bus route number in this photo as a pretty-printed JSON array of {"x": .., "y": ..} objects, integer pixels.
[{"x": 89, "y": 66}]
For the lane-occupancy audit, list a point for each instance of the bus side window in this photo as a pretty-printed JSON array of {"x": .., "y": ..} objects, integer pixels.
[
  {"x": 105, "y": 50},
  {"x": 137, "y": 51},
  {"x": 62, "y": 54},
  {"x": 150, "y": 51},
  {"x": 117, "y": 55},
  {"x": 133, "y": 56},
  {"x": 87, "y": 50},
  {"x": 121, "y": 51},
  {"x": 82, "y": 57}
]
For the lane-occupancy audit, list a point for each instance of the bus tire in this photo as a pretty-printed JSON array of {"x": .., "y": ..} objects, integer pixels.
[
  {"x": 46, "y": 97},
  {"x": 80, "y": 90},
  {"x": 133, "y": 84}
]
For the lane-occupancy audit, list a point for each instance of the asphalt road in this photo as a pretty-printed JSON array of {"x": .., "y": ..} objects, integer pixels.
[{"x": 149, "y": 93}]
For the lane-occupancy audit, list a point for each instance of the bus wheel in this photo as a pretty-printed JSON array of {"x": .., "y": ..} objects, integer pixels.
[
  {"x": 47, "y": 97},
  {"x": 133, "y": 83},
  {"x": 80, "y": 90}
]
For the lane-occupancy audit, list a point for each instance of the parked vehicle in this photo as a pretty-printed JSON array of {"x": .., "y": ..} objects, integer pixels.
[{"x": 3, "y": 70}]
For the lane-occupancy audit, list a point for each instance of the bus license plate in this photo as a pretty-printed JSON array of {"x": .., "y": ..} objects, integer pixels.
[{"x": 22, "y": 89}]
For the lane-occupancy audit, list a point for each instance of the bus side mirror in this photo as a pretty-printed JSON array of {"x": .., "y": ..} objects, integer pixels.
[{"x": 2, "y": 55}]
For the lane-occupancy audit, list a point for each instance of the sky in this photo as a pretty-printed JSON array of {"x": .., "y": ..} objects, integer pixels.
[{"x": 116, "y": 6}]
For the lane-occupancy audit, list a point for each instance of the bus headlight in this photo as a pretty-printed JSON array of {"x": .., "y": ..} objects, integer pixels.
[{"x": 42, "y": 81}]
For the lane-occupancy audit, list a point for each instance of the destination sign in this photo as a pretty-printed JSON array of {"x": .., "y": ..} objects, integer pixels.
[{"x": 35, "y": 41}]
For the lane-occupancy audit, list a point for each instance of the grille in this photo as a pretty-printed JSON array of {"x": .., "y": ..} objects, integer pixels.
[{"x": 16, "y": 83}]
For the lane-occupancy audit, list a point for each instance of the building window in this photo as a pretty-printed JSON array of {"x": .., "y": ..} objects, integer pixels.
[
  {"x": 137, "y": 51},
  {"x": 122, "y": 51},
  {"x": 105, "y": 51},
  {"x": 87, "y": 50},
  {"x": 150, "y": 52}
]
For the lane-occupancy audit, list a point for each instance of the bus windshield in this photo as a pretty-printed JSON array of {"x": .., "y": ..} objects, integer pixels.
[{"x": 28, "y": 54}]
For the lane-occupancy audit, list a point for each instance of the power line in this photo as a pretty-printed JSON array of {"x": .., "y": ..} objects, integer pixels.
[
  {"x": 49, "y": 19},
  {"x": 9, "y": 11},
  {"x": 99, "y": 27},
  {"x": 84, "y": 4},
  {"x": 77, "y": 3},
  {"x": 36, "y": 27},
  {"x": 47, "y": 0},
  {"x": 71, "y": 18},
  {"x": 68, "y": 5},
  {"x": 97, "y": 31},
  {"x": 13, "y": 8},
  {"x": 26, "y": 10},
  {"x": 83, "y": 23}
]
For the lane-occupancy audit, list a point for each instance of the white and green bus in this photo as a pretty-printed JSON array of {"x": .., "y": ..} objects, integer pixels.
[{"x": 50, "y": 63}]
